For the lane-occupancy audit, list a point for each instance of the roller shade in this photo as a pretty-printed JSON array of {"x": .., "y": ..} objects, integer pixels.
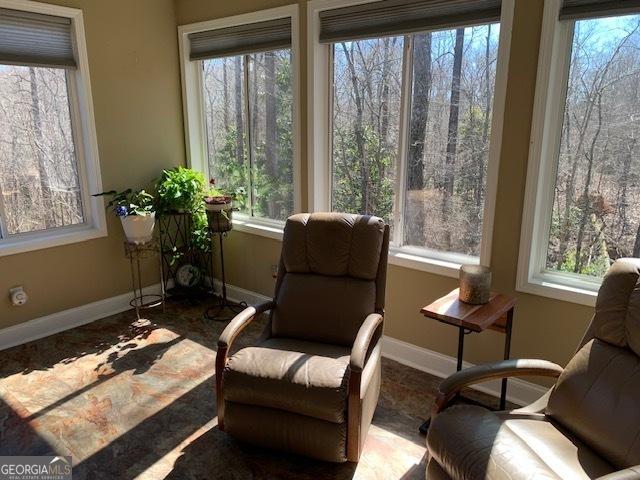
[
  {"x": 397, "y": 17},
  {"x": 242, "y": 39},
  {"x": 577, "y": 9},
  {"x": 28, "y": 38}
]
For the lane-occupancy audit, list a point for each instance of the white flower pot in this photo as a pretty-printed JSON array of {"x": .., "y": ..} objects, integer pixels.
[{"x": 138, "y": 228}]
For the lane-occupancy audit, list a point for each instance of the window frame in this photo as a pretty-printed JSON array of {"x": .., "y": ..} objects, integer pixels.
[
  {"x": 85, "y": 144},
  {"x": 194, "y": 115},
  {"x": 319, "y": 109},
  {"x": 554, "y": 60}
]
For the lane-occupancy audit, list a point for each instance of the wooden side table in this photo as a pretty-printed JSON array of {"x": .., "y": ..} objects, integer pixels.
[{"x": 495, "y": 315}]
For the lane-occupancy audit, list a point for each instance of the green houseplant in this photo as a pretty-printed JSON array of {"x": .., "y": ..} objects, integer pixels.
[
  {"x": 136, "y": 211},
  {"x": 180, "y": 190}
]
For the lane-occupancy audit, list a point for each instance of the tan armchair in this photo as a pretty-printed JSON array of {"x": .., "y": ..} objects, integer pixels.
[
  {"x": 586, "y": 426},
  {"x": 311, "y": 384}
]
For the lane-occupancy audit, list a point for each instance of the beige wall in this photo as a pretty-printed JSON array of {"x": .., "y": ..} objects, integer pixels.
[
  {"x": 135, "y": 79},
  {"x": 542, "y": 327}
]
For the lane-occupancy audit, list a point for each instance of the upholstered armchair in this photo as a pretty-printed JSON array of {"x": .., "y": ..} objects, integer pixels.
[
  {"x": 311, "y": 384},
  {"x": 586, "y": 426}
]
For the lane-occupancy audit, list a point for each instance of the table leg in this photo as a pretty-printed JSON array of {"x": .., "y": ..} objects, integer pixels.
[
  {"x": 460, "y": 348},
  {"x": 507, "y": 350},
  {"x": 424, "y": 428}
]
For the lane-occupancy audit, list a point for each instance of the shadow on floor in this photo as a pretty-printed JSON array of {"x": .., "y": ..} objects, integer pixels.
[{"x": 215, "y": 455}]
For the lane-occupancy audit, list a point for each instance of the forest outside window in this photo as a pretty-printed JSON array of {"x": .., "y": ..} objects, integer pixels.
[
  {"x": 589, "y": 209},
  {"x": 48, "y": 161},
  {"x": 432, "y": 191},
  {"x": 248, "y": 114},
  {"x": 239, "y": 81}
]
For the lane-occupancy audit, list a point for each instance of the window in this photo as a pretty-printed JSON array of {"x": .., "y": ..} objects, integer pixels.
[
  {"x": 451, "y": 97},
  {"x": 240, "y": 90},
  {"x": 411, "y": 122},
  {"x": 252, "y": 94},
  {"x": 48, "y": 163},
  {"x": 39, "y": 178},
  {"x": 366, "y": 123},
  {"x": 589, "y": 200}
]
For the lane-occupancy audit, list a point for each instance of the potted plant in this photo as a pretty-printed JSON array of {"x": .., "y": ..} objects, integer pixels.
[
  {"x": 136, "y": 211},
  {"x": 219, "y": 206},
  {"x": 180, "y": 191}
]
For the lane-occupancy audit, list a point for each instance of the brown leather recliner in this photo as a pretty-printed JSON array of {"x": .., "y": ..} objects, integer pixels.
[
  {"x": 311, "y": 384},
  {"x": 586, "y": 426}
]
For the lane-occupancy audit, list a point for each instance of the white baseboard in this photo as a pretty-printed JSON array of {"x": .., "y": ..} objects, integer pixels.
[
  {"x": 519, "y": 391},
  {"x": 74, "y": 317},
  {"x": 237, "y": 294}
]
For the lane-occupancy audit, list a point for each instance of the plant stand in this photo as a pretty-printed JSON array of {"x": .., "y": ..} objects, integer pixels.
[
  {"x": 176, "y": 250},
  {"x": 142, "y": 301},
  {"x": 216, "y": 311}
]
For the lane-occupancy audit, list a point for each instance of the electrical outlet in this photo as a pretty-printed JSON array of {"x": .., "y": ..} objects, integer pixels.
[
  {"x": 274, "y": 270},
  {"x": 18, "y": 296}
]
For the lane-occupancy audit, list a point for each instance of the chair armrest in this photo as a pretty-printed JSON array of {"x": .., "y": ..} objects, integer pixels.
[
  {"x": 631, "y": 473},
  {"x": 363, "y": 341},
  {"x": 240, "y": 321},
  {"x": 452, "y": 385},
  {"x": 225, "y": 341}
]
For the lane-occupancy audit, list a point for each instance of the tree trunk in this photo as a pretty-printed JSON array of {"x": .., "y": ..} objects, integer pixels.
[
  {"x": 225, "y": 90},
  {"x": 359, "y": 131},
  {"x": 384, "y": 94},
  {"x": 586, "y": 205},
  {"x": 414, "y": 226},
  {"x": 237, "y": 72},
  {"x": 36, "y": 119},
  {"x": 271, "y": 131},
  {"x": 479, "y": 191},
  {"x": 452, "y": 131},
  {"x": 636, "y": 245}
]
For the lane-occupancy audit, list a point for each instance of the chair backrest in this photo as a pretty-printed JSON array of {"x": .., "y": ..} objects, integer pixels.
[
  {"x": 332, "y": 274},
  {"x": 597, "y": 397}
]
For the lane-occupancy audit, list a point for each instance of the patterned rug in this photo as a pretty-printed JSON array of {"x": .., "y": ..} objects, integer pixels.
[{"x": 130, "y": 398}]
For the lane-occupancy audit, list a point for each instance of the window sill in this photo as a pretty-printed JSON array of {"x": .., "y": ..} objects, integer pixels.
[
  {"x": 411, "y": 258},
  {"x": 41, "y": 240},
  {"x": 402, "y": 257},
  {"x": 582, "y": 293},
  {"x": 263, "y": 228}
]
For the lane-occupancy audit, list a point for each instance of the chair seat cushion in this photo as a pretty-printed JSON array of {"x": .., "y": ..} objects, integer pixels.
[
  {"x": 297, "y": 376},
  {"x": 470, "y": 443}
]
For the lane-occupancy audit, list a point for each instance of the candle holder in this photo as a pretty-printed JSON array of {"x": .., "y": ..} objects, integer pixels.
[{"x": 475, "y": 284}]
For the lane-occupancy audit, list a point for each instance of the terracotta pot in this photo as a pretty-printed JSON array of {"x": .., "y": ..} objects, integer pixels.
[{"x": 138, "y": 228}]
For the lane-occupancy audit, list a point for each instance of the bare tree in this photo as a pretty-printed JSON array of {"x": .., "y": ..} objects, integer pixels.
[{"x": 452, "y": 131}]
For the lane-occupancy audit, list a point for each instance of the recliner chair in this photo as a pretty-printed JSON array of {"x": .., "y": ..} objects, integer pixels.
[
  {"x": 311, "y": 384},
  {"x": 586, "y": 426}
]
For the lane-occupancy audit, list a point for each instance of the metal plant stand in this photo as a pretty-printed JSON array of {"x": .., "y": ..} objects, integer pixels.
[
  {"x": 216, "y": 312},
  {"x": 142, "y": 301},
  {"x": 177, "y": 249}
]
